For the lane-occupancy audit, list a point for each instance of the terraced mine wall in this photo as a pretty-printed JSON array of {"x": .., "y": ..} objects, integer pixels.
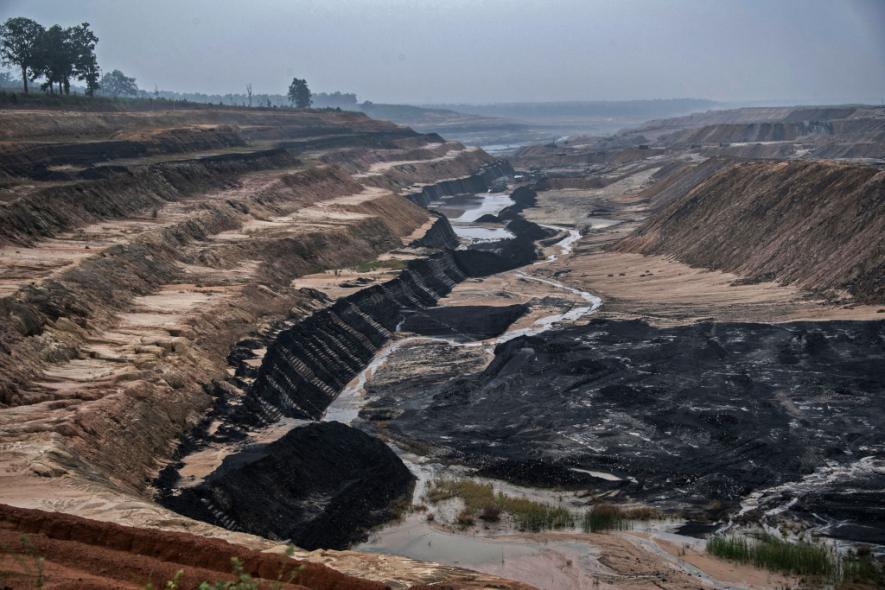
[
  {"x": 475, "y": 183},
  {"x": 820, "y": 225},
  {"x": 310, "y": 363},
  {"x": 48, "y": 124},
  {"x": 378, "y": 140},
  {"x": 749, "y": 132},
  {"x": 440, "y": 235},
  {"x": 117, "y": 191},
  {"x": 93, "y": 550},
  {"x": 36, "y": 160},
  {"x": 304, "y": 366}
]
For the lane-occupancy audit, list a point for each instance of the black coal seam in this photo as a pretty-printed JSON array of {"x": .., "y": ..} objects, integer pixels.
[
  {"x": 356, "y": 344},
  {"x": 475, "y": 183}
]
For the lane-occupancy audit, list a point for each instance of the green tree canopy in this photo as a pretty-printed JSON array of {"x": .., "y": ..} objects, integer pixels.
[
  {"x": 55, "y": 58},
  {"x": 116, "y": 83},
  {"x": 299, "y": 93},
  {"x": 82, "y": 44},
  {"x": 19, "y": 41}
]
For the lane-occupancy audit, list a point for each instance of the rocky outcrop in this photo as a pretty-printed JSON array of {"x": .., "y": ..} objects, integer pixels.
[
  {"x": 819, "y": 225},
  {"x": 319, "y": 486}
]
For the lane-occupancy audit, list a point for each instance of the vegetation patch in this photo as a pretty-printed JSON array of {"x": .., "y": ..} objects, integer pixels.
[
  {"x": 373, "y": 265},
  {"x": 772, "y": 553},
  {"x": 800, "y": 558},
  {"x": 607, "y": 517},
  {"x": 481, "y": 501}
]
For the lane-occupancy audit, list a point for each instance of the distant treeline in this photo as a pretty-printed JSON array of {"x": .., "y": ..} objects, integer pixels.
[
  {"x": 559, "y": 110},
  {"x": 342, "y": 100},
  {"x": 321, "y": 100}
]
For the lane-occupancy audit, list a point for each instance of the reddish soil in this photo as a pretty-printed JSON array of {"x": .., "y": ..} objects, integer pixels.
[{"x": 87, "y": 554}]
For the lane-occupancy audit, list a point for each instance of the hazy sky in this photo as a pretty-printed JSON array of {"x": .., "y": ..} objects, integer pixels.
[{"x": 433, "y": 51}]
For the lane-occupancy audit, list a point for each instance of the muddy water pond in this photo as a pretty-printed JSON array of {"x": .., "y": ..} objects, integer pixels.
[{"x": 464, "y": 210}]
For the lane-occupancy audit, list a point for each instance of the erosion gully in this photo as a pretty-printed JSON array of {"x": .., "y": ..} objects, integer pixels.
[{"x": 547, "y": 560}]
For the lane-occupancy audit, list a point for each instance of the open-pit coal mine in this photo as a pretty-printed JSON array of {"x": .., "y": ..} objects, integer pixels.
[{"x": 419, "y": 365}]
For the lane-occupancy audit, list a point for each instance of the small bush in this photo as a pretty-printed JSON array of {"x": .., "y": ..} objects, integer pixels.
[
  {"x": 490, "y": 513},
  {"x": 464, "y": 518}
]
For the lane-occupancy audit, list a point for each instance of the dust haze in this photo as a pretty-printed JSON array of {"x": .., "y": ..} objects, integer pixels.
[{"x": 456, "y": 51}]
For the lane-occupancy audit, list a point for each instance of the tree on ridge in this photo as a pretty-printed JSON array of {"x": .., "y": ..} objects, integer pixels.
[
  {"x": 116, "y": 83},
  {"x": 299, "y": 93},
  {"x": 19, "y": 39}
]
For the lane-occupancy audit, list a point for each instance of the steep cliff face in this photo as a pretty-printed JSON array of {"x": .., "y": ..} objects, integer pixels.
[
  {"x": 817, "y": 224},
  {"x": 440, "y": 235},
  {"x": 311, "y": 362}
]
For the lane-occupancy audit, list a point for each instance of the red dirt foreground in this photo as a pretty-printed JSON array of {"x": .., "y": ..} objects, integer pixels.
[{"x": 51, "y": 550}]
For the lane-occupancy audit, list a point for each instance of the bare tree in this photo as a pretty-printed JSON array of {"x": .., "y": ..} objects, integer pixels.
[{"x": 249, "y": 93}]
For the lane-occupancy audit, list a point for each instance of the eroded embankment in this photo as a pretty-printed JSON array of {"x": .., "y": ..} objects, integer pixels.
[
  {"x": 819, "y": 225},
  {"x": 303, "y": 368},
  {"x": 125, "y": 292},
  {"x": 62, "y": 551},
  {"x": 311, "y": 362}
]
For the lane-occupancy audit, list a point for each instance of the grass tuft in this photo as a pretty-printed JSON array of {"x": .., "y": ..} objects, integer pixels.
[
  {"x": 769, "y": 552},
  {"x": 480, "y": 501},
  {"x": 607, "y": 517}
]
